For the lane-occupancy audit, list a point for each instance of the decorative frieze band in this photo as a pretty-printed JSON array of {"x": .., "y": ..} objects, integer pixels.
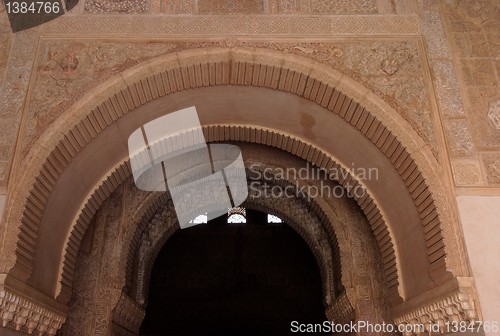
[
  {"x": 235, "y": 25},
  {"x": 23, "y": 314}
]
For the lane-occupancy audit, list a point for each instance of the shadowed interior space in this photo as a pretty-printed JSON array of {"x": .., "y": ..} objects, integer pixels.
[{"x": 223, "y": 278}]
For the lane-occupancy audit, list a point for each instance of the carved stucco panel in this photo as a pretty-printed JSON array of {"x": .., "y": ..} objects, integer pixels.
[
  {"x": 494, "y": 114},
  {"x": 460, "y": 137},
  {"x": 344, "y": 6},
  {"x": 434, "y": 34},
  {"x": 4, "y": 52},
  {"x": 461, "y": 40},
  {"x": 67, "y": 69},
  {"x": 479, "y": 105},
  {"x": 97, "y": 290},
  {"x": 447, "y": 89},
  {"x": 491, "y": 163},
  {"x": 18, "y": 68},
  {"x": 369, "y": 295},
  {"x": 467, "y": 172},
  {"x": 322, "y": 7},
  {"x": 289, "y": 6},
  {"x": 391, "y": 69},
  {"x": 116, "y": 6},
  {"x": 177, "y": 6},
  {"x": 472, "y": 28},
  {"x": 471, "y": 16},
  {"x": 230, "y": 25},
  {"x": 231, "y": 6},
  {"x": 478, "y": 72},
  {"x": 81, "y": 306}
]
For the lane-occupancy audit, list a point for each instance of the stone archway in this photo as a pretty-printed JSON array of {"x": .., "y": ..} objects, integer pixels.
[
  {"x": 362, "y": 283},
  {"x": 364, "y": 118}
]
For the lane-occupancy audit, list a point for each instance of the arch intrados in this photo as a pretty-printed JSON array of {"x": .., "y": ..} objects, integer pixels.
[
  {"x": 143, "y": 210},
  {"x": 294, "y": 145},
  {"x": 150, "y": 210},
  {"x": 257, "y": 134},
  {"x": 153, "y": 201}
]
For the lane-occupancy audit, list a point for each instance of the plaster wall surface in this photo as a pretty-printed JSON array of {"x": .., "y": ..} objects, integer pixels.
[{"x": 481, "y": 225}]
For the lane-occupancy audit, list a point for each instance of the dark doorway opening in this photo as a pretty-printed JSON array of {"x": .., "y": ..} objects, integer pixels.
[{"x": 222, "y": 278}]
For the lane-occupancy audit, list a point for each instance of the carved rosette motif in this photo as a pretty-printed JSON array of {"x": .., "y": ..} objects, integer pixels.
[{"x": 21, "y": 313}]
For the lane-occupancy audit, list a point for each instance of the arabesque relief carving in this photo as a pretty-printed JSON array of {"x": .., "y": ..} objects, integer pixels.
[
  {"x": 177, "y": 6},
  {"x": 343, "y": 6},
  {"x": 474, "y": 40},
  {"x": 231, "y": 6},
  {"x": 494, "y": 114},
  {"x": 98, "y": 280},
  {"x": 68, "y": 69},
  {"x": 317, "y": 7},
  {"x": 4, "y": 53},
  {"x": 391, "y": 69},
  {"x": 462, "y": 47},
  {"x": 466, "y": 172},
  {"x": 492, "y": 166},
  {"x": 98, "y": 291},
  {"x": 116, "y": 6}
]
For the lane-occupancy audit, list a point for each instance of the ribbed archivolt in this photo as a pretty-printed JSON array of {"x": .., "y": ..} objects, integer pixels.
[
  {"x": 215, "y": 133},
  {"x": 158, "y": 210},
  {"x": 224, "y": 70}
]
